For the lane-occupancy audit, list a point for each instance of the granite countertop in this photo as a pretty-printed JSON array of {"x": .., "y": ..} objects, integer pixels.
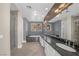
[{"x": 58, "y": 49}]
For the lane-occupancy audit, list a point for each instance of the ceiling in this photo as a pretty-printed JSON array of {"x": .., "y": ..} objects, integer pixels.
[
  {"x": 37, "y": 11},
  {"x": 34, "y": 11}
]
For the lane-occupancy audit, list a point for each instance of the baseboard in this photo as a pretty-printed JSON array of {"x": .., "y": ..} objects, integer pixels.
[
  {"x": 23, "y": 41},
  {"x": 20, "y": 46}
]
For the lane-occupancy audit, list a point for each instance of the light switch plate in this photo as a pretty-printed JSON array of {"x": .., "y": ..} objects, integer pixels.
[{"x": 1, "y": 36}]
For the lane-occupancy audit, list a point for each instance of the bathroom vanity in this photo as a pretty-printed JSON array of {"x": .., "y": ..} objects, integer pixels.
[
  {"x": 49, "y": 50},
  {"x": 53, "y": 46}
]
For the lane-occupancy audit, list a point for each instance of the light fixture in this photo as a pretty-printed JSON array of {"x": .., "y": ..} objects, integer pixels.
[
  {"x": 61, "y": 7},
  {"x": 57, "y": 10},
  {"x": 66, "y": 5},
  {"x": 43, "y": 16},
  {"x": 46, "y": 8},
  {"x": 35, "y": 13}
]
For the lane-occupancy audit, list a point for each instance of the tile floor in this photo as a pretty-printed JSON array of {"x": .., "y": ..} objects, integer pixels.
[{"x": 29, "y": 49}]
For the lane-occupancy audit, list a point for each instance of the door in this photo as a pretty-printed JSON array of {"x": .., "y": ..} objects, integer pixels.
[
  {"x": 76, "y": 33},
  {"x": 13, "y": 29}
]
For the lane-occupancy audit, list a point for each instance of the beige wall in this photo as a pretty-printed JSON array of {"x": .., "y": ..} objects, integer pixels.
[{"x": 5, "y": 29}]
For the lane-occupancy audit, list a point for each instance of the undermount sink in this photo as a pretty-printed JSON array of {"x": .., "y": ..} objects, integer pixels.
[{"x": 67, "y": 48}]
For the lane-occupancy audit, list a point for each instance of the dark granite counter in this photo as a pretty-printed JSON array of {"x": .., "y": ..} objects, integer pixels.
[{"x": 61, "y": 51}]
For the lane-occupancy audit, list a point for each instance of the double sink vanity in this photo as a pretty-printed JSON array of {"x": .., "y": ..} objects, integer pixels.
[{"x": 56, "y": 46}]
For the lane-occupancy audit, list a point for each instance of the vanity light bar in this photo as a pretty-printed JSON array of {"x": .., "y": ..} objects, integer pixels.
[{"x": 61, "y": 7}]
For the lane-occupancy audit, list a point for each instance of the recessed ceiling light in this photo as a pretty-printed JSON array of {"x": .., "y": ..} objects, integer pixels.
[
  {"x": 42, "y": 15},
  {"x": 46, "y": 8},
  {"x": 35, "y": 13}
]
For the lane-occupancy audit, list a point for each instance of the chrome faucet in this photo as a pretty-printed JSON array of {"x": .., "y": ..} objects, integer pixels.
[{"x": 66, "y": 42}]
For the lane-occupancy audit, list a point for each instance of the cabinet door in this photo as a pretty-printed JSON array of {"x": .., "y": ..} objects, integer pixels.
[
  {"x": 50, "y": 51},
  {"x": 76, "y": 30},
  {"x": 46, "y": 49},
  {"x": 49, "y": 39},
  {"x": 64, "y": 29},
  {"x": 53, "y": 52},
  {"x": 42, "y": 41}
]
